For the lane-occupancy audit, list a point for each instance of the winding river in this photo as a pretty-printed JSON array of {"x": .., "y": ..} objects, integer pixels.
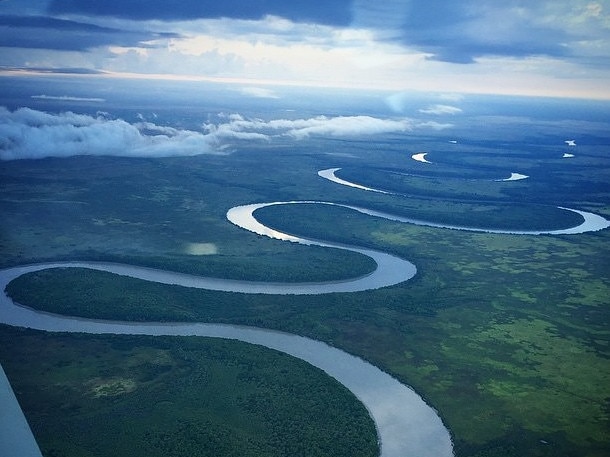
[
  {"x": 591, "y": 222},
  {"x": 406, "y": 425}
]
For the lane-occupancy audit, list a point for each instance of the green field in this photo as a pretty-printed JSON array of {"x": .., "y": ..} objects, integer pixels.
[{"x": 506, "y": 336}]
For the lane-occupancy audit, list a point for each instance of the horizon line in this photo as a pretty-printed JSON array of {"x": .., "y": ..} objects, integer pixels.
[{"x": 232, "y": 80}]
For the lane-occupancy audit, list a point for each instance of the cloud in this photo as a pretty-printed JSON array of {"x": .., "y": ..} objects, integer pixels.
[
  {"x": 340, "y": 126},
  {"x": 441, "y": 109},
  {"x": 400, "y": 102},
  {"x": 31, "y": 134},
  {"x": 470, "y": 29},
  {"x": 546, "y": 47},
  {"x": 56, "y": 70},
  {"x": 40, "y": 32},
  {"x": 336, "y": 12},
  {"x": 435, "y": 125},
  {"x": 259, "y": 92},
  {"x": 451, "y": 97},
  {"x": 68, "y": 98}
]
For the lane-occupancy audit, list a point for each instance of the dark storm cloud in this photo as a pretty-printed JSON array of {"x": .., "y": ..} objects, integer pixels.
[
  {"x": 466, "y": 30},
  {"x": 508, "y": 46},
  {"x": 462, "y": 31},
  {"x": 449, "y": 31},
  {"x": 331, "y": 12},
  {"x": 51, "y": 33}
]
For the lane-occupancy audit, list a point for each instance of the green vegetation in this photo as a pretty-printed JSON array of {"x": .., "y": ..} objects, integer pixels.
[
  {"x": 161, "y": 396},
  {"x": 506, "y": 336},
  {"x": 148, "y": 219}
]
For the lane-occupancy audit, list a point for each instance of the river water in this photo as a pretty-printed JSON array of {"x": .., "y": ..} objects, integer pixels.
[{"x": 406, "y": 424}]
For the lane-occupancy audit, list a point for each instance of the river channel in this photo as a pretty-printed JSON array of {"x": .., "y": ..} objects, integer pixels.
[{"x": 406, "y": 425}]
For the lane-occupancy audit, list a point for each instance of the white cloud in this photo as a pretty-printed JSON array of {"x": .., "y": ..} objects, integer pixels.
[
  {"x": 398, "y": 102},
  {"x": 347, "y": 126},
  {"x": 258, "y": 92},
  {"x": 31, "y": 134},
  {"x": 68, "y": 98},
  {"x": 441, "y": 109},
  {"x": 434, "y": 125},
  {"x": 451, "y": 97},
  {"x": 340, "y": 126},
  {"x": 270, "y": 50}
]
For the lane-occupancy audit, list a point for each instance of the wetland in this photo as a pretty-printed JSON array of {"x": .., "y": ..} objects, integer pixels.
[{"x": 506, "y": 336}]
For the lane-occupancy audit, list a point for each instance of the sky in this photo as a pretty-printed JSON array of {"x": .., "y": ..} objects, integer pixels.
[{"x": 558, "y": 48}]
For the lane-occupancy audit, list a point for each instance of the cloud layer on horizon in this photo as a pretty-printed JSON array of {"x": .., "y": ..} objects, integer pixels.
[
  {"x": 41, "y": 32},
  {"x": 515, "y": 47},
  {"x": 440, "y": 109},
  {"x": 30, "y": 134},
  {"x": 466, "y": 30}
]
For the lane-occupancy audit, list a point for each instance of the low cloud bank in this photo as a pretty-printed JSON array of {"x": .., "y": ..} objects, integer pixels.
[
  {"x": 259, "y": 92},
  {"x": 321, "y": 126},
  {"x": 441, "y": 109},
  {"x": 29, "y": 134},
  {"x": 67, "y": 98}
]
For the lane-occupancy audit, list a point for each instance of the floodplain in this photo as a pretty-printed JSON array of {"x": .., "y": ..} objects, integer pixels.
[{"x": 506, "y": 336}]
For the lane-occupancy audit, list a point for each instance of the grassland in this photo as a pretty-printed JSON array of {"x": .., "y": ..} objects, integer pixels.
[{"x": 506, "y": 336}]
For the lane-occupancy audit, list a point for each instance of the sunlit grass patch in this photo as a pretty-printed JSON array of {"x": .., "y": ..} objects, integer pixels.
[{"x": 201, "y": 249}]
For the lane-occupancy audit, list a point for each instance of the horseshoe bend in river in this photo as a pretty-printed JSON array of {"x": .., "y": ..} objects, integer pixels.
[{"x": 406, "y": 425}]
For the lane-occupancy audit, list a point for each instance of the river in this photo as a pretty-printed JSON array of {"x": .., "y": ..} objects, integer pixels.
[{"x": 406, "y": 425}]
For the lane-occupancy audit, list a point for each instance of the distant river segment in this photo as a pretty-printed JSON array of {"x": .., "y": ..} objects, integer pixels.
[{"x": 591, "y": 222}]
